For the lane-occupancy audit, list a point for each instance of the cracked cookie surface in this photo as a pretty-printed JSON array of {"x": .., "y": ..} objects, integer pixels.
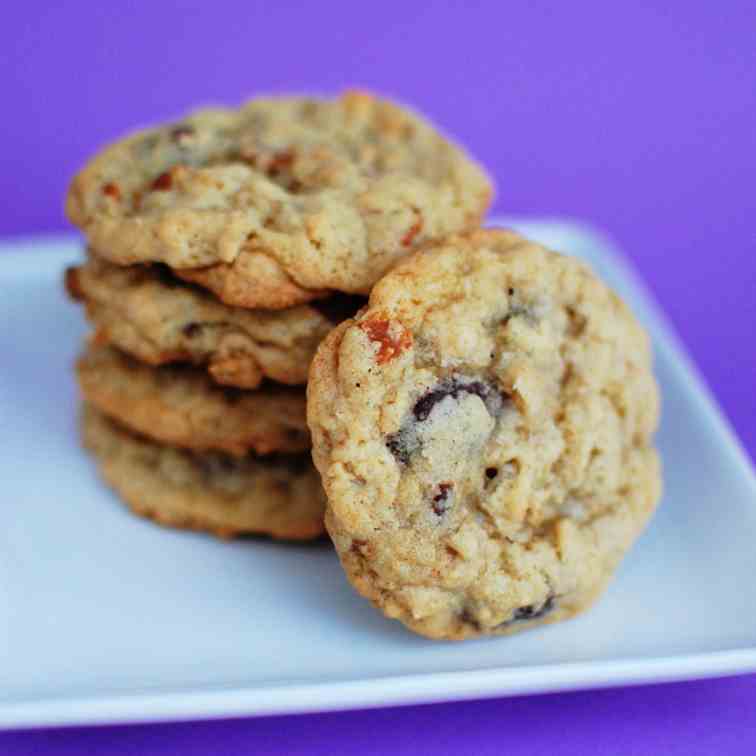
[
  {"x": 182, "y": 406},
  {"x": 279, "y": 496},
  {"x": 484, "y": 432},
  {"x": 281, "y": 200},
  {"x": 144, "y": 311}
]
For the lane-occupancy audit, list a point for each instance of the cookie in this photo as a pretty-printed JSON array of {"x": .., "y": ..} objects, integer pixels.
[
  {"x": 279, "y": 496},
  {"x": 484, "y": 434},
  {"x": 144, "y": 311},
  {"x": 271, "y": 204},
  {"x": 181, "y": 406}
]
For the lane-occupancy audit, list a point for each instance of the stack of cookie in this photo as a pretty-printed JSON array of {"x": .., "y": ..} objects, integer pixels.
[{"x": 221, "y": 251}]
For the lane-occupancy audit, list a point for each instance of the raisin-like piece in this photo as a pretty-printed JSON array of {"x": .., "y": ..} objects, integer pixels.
[
  {"x": 280, "y": 162},
  {"x": 111, "y": 190},
  {"x": 162, "y": 183}
]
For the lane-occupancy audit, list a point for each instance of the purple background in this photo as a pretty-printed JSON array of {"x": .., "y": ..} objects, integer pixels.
[{"x": 640, "y": 120}]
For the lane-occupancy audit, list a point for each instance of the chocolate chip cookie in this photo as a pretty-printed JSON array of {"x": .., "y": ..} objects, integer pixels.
[
  {"x": 144, "y": 311},
  {"x": 277, "y": 202},
  {"x": 278, "y": 496},
  {"x": 182, "y": 406},
  {"x": 484, "y": 432}
]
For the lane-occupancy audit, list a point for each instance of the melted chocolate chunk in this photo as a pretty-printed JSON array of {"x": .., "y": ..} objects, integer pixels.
[
  {"x": 492, "y": 472},
  {"x": 530, "y": 612},
  {"x": 398, "y": 448},
  {"x": 468, "y": 619},
  {"x": 405, "y": 441},
  {"x": 441, "y": 502},
  {"x": 452, "y": 388}
]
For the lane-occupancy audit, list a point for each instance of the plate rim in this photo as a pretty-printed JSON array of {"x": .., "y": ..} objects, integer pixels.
[{"x": 373, "y": 692}]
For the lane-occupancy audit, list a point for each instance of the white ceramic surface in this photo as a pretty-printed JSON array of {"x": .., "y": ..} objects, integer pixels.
[{"x": 105, "y": 617}]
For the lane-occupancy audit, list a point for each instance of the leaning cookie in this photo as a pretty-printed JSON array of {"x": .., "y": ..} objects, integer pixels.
[
  {"x": 484, "y": 434},
  {"x": 181, "y": 406},
  {"x": 279, "y": 496},
  {"x": 144, "y": 311},
  {"x": 277, "y": 202}
]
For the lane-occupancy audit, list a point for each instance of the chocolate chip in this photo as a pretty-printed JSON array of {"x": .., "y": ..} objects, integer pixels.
[
  {"x": 453, "y": 388},
  {"x": 441, "y": 501},
  {"x": 406, "y": 440},
  {"x": 396, "y": 445},
  {"x": 530, "y": 612},
  {"x": 468, "y": 619},
  {"x": 492, "y": 472}
]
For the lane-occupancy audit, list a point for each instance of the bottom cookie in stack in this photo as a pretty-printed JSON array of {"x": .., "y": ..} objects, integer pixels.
[{"x": 188, "y": 453}]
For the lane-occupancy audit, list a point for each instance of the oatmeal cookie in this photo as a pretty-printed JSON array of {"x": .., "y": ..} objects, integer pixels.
[
  {"x": 274, "y": 203},
  {"x": 484, "y": 432},
  {"x": 182, "y": 406},
  {"x": 279, "y": 496},
  {"x": 144, "y": 311}
]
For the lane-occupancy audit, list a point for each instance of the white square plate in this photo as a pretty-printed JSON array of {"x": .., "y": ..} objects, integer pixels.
[{"x": 108, "y": 618}]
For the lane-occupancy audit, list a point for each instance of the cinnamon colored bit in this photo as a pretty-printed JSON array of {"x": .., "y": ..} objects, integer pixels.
[
  {"x": 163, "y": 182},
  {"x": 111, "y": 190},
  {"x": 390, "y": 346},
  {"x": 280, "y": 161},
  {"x": 73, "y": 285},
  {"x": 357, "y": 545},
  {"x": 414, "y": 230},
  {"x": 100, "y": 337}
]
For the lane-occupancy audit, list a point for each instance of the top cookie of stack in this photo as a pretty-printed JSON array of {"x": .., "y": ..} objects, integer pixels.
[{"x": 281, "y": 201}]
